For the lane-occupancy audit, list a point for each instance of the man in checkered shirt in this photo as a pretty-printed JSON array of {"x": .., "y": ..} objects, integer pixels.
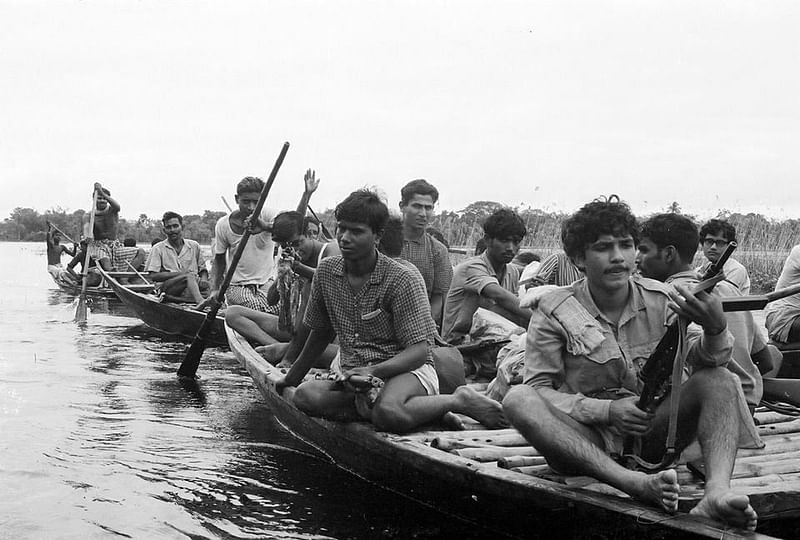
[{"x": 379, "y": 310}]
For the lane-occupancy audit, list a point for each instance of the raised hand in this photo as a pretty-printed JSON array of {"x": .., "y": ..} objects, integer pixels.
[
  {"x": 311, "y": 181},
  {"x": 701, "y": 307}
]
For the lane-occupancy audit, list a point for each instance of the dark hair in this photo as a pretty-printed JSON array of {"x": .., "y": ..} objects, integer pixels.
[
  {"x": 391, "y": 243},
  {"x": 504, "y": 223},
  {"x": 168, "y": 215},
  {"x": 480, "y": 246},
  {"x": 436, "y": 233},
  {"x": 721, "y": 226},
  {"x": 129, "y": 242},
  {"x": 249, "y": 184},
  {"x": 418, "y": 187},
  {"x": 601, "y": 216},
  {"x": 155, "y": 241},
  {"x": 286, "y": 225},
  {"x": 307, "y": 220},
  {"x": 526, "y": 257},
  {"x": 363, "y": 206},
  {"x": 672, "y": 230}
]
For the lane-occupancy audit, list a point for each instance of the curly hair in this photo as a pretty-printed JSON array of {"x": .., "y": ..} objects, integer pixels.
[
  {"x": 169, "y": 214},
  {"x": 363, "y": 206},
  {"x": 718, "y": 226},
  {"x": 672, "y": 230},
  {"x": 418, "y": 187},
  {"x": 504, "y": 223},
  {"x": 601, "y": 216},
  {"x": 249, "y": 184}
]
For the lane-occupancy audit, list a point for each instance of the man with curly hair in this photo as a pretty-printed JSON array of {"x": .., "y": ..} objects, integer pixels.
[
  {"x": 487, "y": 280},
  {"x": 586, "y": 345}
]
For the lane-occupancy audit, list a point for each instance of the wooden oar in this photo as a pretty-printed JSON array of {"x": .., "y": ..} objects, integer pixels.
[
  {"x": 325, "y": 230},
  {"x": 80, "y": 311},
  {"x": 138, "y": 273},
  {"x": 65, "y": 235},
  {"x": 190, "y": 363},
  {"x": 226, "y": 203}
]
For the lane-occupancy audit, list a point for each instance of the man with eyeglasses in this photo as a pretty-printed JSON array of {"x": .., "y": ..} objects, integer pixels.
[{"x": 715, "y": 236}]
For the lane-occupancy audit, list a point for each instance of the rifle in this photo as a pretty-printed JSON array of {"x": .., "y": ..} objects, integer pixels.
[{"x": 662, "y": 372}]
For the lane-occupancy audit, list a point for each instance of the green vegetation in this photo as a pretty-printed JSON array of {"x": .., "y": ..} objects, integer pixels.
[{"x": 763, "y": 243}]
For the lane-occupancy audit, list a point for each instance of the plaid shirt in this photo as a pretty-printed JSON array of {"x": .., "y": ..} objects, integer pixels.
[
  {"x": 388, "y": 314},
  {"x": 432, "y": 260}
]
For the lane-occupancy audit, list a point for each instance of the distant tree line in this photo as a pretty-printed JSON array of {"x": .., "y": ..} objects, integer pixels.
[{"x": 463, "y": 228}]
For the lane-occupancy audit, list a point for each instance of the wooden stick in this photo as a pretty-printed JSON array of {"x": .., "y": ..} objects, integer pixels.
[
  {"x": 226, "y": 203},
  {"x": 513, "y": 462},
  {"x": 137, "y": 273},
  {"x": 191, "y": 361},
  {"x": 80, "y": 310},
  {"x": 494, "y": 454},
  {"x": 325, "y": 230}
]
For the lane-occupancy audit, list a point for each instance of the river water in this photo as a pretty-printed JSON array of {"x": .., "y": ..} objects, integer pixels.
[{"x": 99, "y": 438}]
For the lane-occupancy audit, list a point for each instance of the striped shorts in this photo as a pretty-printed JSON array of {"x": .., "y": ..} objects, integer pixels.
[{"x": 251, "y": 296}]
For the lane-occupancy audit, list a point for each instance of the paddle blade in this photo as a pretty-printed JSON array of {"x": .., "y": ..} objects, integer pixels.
[
  {"x": 80, "y": 311},
  {"x": 192, "y": 359}
]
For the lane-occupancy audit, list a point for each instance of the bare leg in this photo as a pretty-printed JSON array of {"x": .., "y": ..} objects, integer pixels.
[
  {"x": 255, "y": 325},
  {"x": 404, "y": 404},
  {"x": 575, "y": 448},
  {"x": 710, "y": 409},
  {"x": 322, "y": 398}
]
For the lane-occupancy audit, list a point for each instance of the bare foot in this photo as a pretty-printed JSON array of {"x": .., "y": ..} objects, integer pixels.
[
  {"x": 452, "y": 421},
  {"x": 660, "y": 489},
  {"x": 480, "y": 407},
  {"x": 728, "y": 507},
  {"x": 272, "y": 353}
]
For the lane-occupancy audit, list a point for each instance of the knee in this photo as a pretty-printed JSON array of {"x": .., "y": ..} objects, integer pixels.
[
  {"x": 391, "y": 417},
  {"x": 718, "y": 380},
  {"x": 520, "y": 400},
  {"x": 233, "y": 315},
  {"x": 305, "y": 400}
]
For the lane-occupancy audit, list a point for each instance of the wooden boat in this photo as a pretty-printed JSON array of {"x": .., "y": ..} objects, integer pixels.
[
  {"x": 169, "y": 318},
  {"x": 100, "y": 291},
  {"x": 498, "y": 478}
]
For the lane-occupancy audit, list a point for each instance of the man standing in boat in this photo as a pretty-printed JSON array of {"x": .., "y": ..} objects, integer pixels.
[
  {"x": 105, "y": 247},
  {"x": 586, "y": 345},
  {"x": 177, "y": 263},
  {"x": 379, "y": 310},
  {"x": 417, "y": 199},
  {"x": 487, "y": 280}
]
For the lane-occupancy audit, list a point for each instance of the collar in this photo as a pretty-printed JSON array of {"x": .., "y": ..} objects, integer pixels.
[
  {"x": 634, "y": 305},
  {"x": 377, "y": 273}
]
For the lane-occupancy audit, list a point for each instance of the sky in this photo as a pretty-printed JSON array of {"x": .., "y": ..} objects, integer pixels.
[{"x": 531, "y": 103}]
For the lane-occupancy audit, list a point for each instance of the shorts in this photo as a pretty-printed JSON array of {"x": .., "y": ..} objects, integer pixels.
[
  {"x": 425, "y": 374},
  {"x": 252, "y": 296},
  {"x": 55, "y": 270},
  {"x": 779, "y": 322}
]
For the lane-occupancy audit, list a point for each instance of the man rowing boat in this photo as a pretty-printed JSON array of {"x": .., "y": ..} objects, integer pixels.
[{"x": 586, "y": 346}]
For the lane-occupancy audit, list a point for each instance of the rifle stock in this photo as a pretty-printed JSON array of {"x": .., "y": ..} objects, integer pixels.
[{"x": 755, "y": 302}]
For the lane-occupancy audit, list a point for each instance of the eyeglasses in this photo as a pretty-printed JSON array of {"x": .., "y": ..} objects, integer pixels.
[{"x": 708, "y": 242}]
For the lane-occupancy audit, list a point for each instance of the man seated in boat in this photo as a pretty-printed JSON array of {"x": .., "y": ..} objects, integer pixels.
[
  {"x": 93, "y": 278},
  {"x": 556, "y": 269},
  {"x": 177, "y": 264},
  {"x": 379, "y": 310},
  {"x": 665, "y": 253},
  {"x": 106, "y": 248},
  {"x": 417, "y": 199},
  {"x": 55, "y": 250},
  {"x": 254, "y": 273},
  {"x": 301, "y": 255},
  {"x": 487, "y": 280},
  {"x": 715, "y": 235},
  {"x": 783, "y": 315},
  {"x": 586, "y": 345}
]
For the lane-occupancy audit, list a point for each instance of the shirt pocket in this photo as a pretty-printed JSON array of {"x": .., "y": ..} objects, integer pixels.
[
  {"x": 376, "y": 324},
  {"x": 602, "y": 369}
]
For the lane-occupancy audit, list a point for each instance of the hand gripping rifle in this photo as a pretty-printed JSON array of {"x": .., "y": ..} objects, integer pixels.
[{"x": 663, "y": 370}]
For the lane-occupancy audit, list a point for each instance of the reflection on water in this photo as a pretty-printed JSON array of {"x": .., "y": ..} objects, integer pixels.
[{"x": 100, "y": 439}]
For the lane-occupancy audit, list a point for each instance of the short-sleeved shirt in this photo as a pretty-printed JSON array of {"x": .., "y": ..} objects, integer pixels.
[
  {"x": 432, "y": 260},
  {"x": 469, "y": 279},
  {"x": 164, "y": 257},
  {"x": 782, "y": 312},
  {"x": 735, "y": 272},
  {"x": 747, "y": 340},
  {"x": 388, "y": 314},
  {"x": 256, "y": 265}
]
